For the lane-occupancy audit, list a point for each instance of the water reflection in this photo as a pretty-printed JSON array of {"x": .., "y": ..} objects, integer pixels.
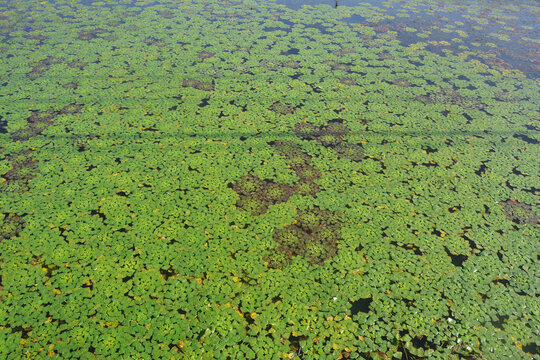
[{"x": 494, "y": 35}]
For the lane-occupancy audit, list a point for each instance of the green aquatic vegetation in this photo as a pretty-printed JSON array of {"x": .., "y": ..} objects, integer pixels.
[
  {"x": 199, "y": 85},
  {"x": 43, "y": 66},
  {"x": 336, "y": 127},
  {"x": 130, "y": 13},
  {"x": 11, "y": 226},
  {"x": 353, "y": 152},
  {"x": 211, "y": 71},
  {"x": 277, "y": 193},
  {"x": 507, "y": 96},
  {"x": 296, "y": 159},
  {"x": 281, "y": 108},
  {"x": 241, "y": 68},
  {"x": 139, "y": 242},
  {"x": 42, "y": 116},
  {"x": 243, "y": 48},
  {"x": 315, "y": 218},
  {"x": 70, "y": 85},
  {"x": 402, "y": 82},
  {"x": 348, "y": 81},
  {"x": 328, "y": 233},
  {"x": 343, "y": 52},
  {"x": 307, "y": 173},
  {"x": 310, "y": 219},
  {"x": 306, "y": 188},
  {"x": 292, "y": 64},
  {"x": 271, "y": 64},
  {"x": 13, "y": 187},
  {"x": 76, "y": 64},
  {"x": 330, "y": 135},
  {"x": 21, "y": 172},
  {"x": 519, "y": 212},
  {"x": 153, "y": 41},
  {"x": 385, "y": 55},
  {"x": 257, "y": 194},
  {"x": 24, "y": 134},
  {"x": 205, "y": 54},
  {"x": 278, "y": 259},
  {"x": 38, "y": 37},
  {"x": 318, "y": 251},
  {"x": 37, "y": 123},
  {"x": 307, "y": 131},
  {"x": 313, "y": 235},
  {"x": 21, "y": 157},
  {"x": 336, "y": 65},
  {"x": 329, "y": 139},
  {"x": 498, "y": 63},
  {"x": 39, "y": 127},
  {"x": 71, "y": 109},
  {"x": 249, "y": 185},
  {"x": 90, "y": 34},
  {"x": 166, "y": 14},
  {"x": 286, "y": 148},
  {"x": 24, "y": 167},
  {"x": 451, "y": 97},
  {"x": 114, "y": 23},
  {"x": 290, "y": 237}
]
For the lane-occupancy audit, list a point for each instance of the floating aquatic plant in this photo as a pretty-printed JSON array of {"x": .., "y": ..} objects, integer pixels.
[
  {"x": 329, "y": 139},
  {"x": 256, "y": 194},
  {"x": 43, "y": 66},
  {"x": 307, "y": 173},
  {"x": 452, "y": 97},
  {"x": 286, "y": 148},
  {"x": 336, "y": 65},
  {"x": 71, "y": 109},
  {"x": 249, "y": 185},
  {"x": 348, "y": 81},
  {"x": 90, "y": 34},
  {"x": 306, "y": 188},
  {"x": 353, "y": 152},
  {"x": 254, "y": 205},
  {"x": 199, "y": 85},
  {"x": 331, "y": 183},
  {"x": 343, "y": 52},
  {"x": 11, "y": 226},
  {"x": 205, "y": 54},
  {"x": 401, "y": 82},
  {"x": 152, "y": 41},
  {"x": 77, "y": 64},
  {"x": 281, "y": 108},
  {"x": 519, "y": 212},
  {"x": 277, "y": 193},
  {"x": 307, "y": 131},
  {"x": 314, "y": 235}
]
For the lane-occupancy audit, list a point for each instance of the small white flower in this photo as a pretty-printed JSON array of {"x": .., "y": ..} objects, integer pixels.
[
  {"x": 334, "y": 298},
  {"x": 450, "y": 320}
]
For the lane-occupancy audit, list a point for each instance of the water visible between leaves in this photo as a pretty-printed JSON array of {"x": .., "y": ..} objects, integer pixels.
[{"x": 265, "y": 180}]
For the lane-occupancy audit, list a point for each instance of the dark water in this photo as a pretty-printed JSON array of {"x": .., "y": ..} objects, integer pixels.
[{"x": 497, "y": 28}]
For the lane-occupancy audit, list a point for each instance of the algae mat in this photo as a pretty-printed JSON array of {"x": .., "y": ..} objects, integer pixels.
[{"x": 249, "y": 180}]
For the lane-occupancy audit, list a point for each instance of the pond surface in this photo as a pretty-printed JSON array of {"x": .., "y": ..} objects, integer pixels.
[{"x": 267, "y": 180}]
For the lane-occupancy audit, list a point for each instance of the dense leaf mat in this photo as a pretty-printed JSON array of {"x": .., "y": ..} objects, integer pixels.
[{"x": 243, "y": 180}]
